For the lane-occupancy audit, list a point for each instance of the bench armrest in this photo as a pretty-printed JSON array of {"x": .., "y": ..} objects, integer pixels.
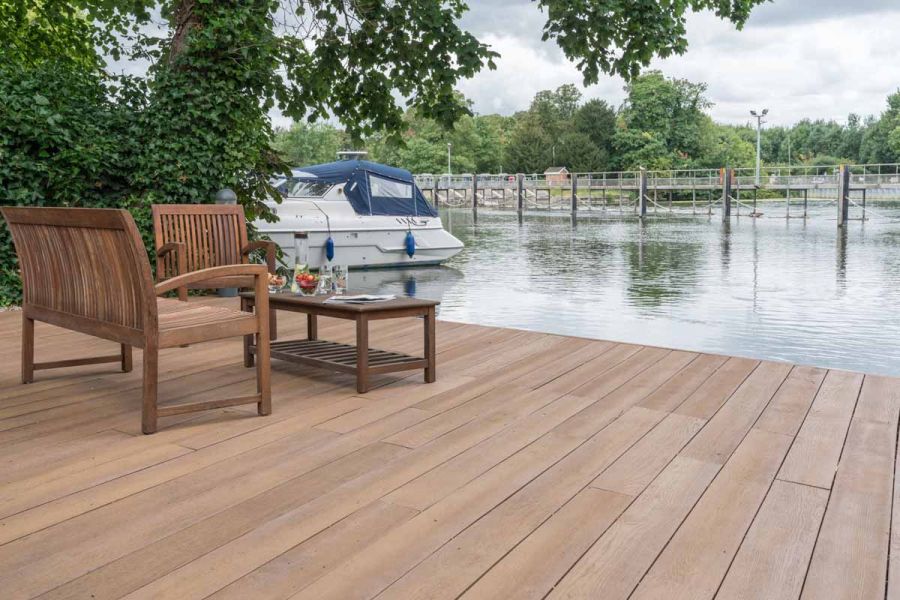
[
  {"x": 269, "y": 247},
  {"x": 257, "y": 271},
  {"x": 169, "y": 247}
]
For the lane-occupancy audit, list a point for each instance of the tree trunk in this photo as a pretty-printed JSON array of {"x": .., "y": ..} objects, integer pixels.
[{"x": 184, "y": 20}]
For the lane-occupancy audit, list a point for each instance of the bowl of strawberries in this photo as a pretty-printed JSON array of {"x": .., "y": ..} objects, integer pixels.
[{"x": 308, "y": 283}]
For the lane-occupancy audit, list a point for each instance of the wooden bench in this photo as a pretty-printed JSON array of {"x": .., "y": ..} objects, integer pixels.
[{"x": 86, "y": 270}]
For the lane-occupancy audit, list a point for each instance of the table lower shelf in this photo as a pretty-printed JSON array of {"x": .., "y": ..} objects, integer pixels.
[{"x": 342, "y": 357}]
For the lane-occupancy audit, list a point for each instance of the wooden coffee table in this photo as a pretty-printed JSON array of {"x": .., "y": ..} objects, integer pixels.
[{"x": 360, "y": 359}]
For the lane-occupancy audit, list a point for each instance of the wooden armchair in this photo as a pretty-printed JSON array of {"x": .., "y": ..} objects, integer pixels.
[
  {"x": 194, "y": 237},
  {"x": 86, "y": 270}
]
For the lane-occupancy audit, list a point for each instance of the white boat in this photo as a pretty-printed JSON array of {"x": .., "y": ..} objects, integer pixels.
[{"x": 374, "y": 215}]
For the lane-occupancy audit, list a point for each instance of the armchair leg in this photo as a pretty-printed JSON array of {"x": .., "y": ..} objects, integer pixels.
[
  {"x": 151, "y": 374},
  {"x": 126, "y": 358},
  {"x": 27, "y": 349},
  {"x": 263, "y": 377},
  {"x": 248, "y": 339},
  {"x": 263, "y": 360},
  {"x": 273, "y": 325}
]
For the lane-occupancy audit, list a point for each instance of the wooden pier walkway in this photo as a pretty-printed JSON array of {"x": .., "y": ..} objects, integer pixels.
[{"x": 537, "y": 466}]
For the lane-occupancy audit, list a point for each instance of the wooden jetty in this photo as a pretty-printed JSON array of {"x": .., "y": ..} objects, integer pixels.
[
  {"x": 536, "y": 466},
  {"x": 723, "y": 190}
]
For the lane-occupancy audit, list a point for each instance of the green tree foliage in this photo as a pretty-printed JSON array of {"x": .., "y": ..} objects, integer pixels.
[
  {"x": 530, "y": 148},
  {"x": 597, "y": 119},
  {"x": 723, "y": 146},
  {"x": 880, "y": 143},
  {"x": 558, "y": 130},
  {"x": 661, "y": 123},
  {"x": 310, "y": 143},
  {"x": 476, "y": 145},
  {"x": 621, "y": 36}
]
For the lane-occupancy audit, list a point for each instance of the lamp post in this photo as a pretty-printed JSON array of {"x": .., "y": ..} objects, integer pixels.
[
  {"x": 449, "y": 145},
  {"x": 759, "y": 122}
]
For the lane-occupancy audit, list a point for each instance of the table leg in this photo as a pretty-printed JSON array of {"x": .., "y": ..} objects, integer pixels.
[
  {"x": 431, "y": 369},
  {"x": 247, "y": 306},
  {"x": 362, "y": 353},
  {"x": 312, "y": 327}
]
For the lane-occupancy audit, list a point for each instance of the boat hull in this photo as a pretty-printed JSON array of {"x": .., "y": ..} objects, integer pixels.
[{"x": 375, "y": 241}]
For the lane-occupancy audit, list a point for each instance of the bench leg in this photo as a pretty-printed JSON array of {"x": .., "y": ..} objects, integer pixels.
[
  {"x": 431, "y": 369},
  {"x": 151, "y": 375},
  {"x": 27, "y": 349},
  {"x": 126, "y": 358},
  {"x": 362, "y": 354}
]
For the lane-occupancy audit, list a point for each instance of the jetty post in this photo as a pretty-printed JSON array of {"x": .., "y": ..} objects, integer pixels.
[
  {"x": 726, "y": 193},
  {"x": 434, "y": 190},
  {"x": 475, "y": 195},
  {"x": 843, "y": 195},
  {"x": 520, "y": 193},
  {"x": 642, "y": 193},
  {"x": 574, "y": 194}
]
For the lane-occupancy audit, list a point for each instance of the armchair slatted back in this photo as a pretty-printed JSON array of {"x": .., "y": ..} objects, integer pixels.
[
  {"x": 212, "y": 235},
  {"x": 85, "y": 269}
]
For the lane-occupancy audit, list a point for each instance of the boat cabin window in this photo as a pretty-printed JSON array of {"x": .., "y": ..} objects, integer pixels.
[
  {"x": 388, "y": 188},
  {"x": 304, "y": 188}
]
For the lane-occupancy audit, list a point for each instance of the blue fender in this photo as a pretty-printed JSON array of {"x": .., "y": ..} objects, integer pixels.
[
  {"x": 329, "y": 248},
  {"x": 410, "y": 243}
]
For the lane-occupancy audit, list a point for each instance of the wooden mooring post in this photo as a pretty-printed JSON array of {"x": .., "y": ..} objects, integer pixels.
[
  {"x": 726, "y": 193},
  {"x": 434, "y": 190},
  {"x": 574, "y": 194},
  {"x": 475, "y": 196},
  {"x": 843, "y": 195},
  {"x": 642, "y": 193},
  {"x": 520, "y": 194}
]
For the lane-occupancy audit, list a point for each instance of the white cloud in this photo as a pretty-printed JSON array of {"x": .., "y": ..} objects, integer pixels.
[
  {"x": 524, "y": 69},
  {"x": 800, "y": 59}
]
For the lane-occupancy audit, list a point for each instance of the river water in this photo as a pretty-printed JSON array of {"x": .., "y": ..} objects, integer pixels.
[{"x": 772, "y": 288}]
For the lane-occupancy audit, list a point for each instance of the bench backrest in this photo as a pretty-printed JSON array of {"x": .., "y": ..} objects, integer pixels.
[
  {"x": 83, "y": 268},
  {"x": 212, "y": 234}
]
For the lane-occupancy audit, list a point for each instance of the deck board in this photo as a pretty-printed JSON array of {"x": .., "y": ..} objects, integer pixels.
[{"x": 536, "y": 466}]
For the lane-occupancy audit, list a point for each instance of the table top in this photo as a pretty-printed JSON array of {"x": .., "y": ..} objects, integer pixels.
[{"x": 291, "y": 299}]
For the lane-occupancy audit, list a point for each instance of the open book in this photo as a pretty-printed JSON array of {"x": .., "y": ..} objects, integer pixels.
[{"x": 361, "y": 299}]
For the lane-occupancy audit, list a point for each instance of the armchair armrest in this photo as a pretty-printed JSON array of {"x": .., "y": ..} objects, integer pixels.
[
  {"x": 257, "y": 271},
  {"x": 269, "y": 247},
  {"x": 179, "y": 249}
]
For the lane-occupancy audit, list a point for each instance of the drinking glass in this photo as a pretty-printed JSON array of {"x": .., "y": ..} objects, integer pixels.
[
  {"x": 325, "y": 277},
  {"x": 339, "y": 276}
]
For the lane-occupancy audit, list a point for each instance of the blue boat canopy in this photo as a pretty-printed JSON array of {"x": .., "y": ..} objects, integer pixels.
[{"x": 371, "y": 188}]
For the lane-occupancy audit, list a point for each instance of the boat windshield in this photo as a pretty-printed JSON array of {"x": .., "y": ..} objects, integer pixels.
[{"x": 304, "y": 188}]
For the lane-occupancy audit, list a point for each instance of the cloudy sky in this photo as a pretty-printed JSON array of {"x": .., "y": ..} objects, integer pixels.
[{"x": 798, "y": 58}]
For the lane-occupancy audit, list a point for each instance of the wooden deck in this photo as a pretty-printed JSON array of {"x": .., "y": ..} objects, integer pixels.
[{"x": 537, "y": 466}]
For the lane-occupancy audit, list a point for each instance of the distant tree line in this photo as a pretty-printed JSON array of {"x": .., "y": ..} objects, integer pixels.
[{"x": 662, "y": 124}]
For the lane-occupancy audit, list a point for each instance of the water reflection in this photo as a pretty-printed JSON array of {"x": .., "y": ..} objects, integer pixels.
[
  {"x": 725, "y": 246},
  {"x": 841, "y": 269},
  {"x": 765, "y": 288},
  {"x": 660, "y": 273},
  {"x": 419, "y": 282}
]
